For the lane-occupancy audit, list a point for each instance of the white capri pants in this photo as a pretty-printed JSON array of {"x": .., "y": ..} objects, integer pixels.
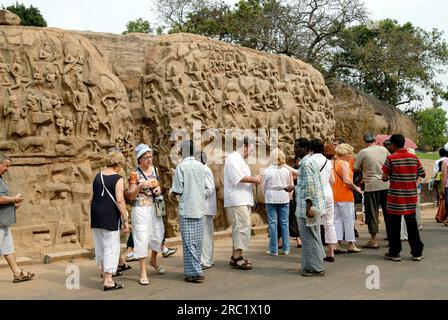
[
  {"x": 344, "y": 221},
  {"x": 107, "y": 249},
  {"x": 328, "y": 220},
  {"x": 147, "y": 231}
]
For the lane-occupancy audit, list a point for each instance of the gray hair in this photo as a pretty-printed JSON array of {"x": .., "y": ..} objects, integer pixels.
[{"x": 4, "y": 157}]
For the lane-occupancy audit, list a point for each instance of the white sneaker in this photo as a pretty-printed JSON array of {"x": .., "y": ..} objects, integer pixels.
[
  {"x": 130, "y": 257},
  {"x": 169, "y": 251},
  {"x": 272, "y": 253}
]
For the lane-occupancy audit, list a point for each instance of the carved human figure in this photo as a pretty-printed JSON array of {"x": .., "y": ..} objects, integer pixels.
[
  {"x": 18, "y": 71},
  {"x": 260, "y": 99},
  {"x": 94, "y": 125},
  {"x": 32, "y": 101},
  {"x": 81, "y": 103},
  {"x": 59, "y": 118},
  {"x": 5, "y": 68},
  {"x": 45, "y": 52},
  {"x": 69, "y": 124},
  {"x": 110, "y": 103},
  {"x": 46, "y": 102},
  {"x": 272, "y": 100},
  {"x": 17, "y": 117},
  {"x": 176, "y": 82}
]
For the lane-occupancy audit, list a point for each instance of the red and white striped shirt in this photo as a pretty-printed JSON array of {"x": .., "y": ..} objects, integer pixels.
[{"x": 403, "y": 169}]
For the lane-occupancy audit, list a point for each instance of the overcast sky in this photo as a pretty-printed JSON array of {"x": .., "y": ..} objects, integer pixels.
[{"x": 112, "y": 15}]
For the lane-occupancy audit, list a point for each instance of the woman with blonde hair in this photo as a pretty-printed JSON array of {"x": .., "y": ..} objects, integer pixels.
[
  {"x": 108, "y": 211},
  {"x": 277, "y": 183},
  {"x": 344, "y": 207},
  {"x": 148, "y": 228}
]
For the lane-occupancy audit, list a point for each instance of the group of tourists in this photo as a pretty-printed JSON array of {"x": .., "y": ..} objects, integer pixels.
[{"x": 317, "y": 191}]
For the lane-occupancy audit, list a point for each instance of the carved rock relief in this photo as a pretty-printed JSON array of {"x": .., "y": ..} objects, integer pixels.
[{"x": 61, "y": 107}]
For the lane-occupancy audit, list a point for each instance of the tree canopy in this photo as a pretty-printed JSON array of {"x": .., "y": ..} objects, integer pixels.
[
  {"x": 141, "y": 26},
  {"x": 29, "y": 16},
  {"x": 392, "y": 62},
  {"x": 432, "y": 127}
]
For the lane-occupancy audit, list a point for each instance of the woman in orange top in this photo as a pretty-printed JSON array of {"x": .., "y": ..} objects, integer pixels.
[{"x": 344, "y": 207}]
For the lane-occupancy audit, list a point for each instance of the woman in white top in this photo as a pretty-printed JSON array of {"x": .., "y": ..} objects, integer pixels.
[
  {"x": 327, "y": 175},
  {"x": 277, "y": 182},
  {"x": 148, "y": 229}
]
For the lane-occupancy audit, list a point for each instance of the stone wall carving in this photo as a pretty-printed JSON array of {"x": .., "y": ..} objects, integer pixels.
[
  {"x": 61, "y": 107},
  {"x": 185, "y": 77},
  {"x": 68, "y": 97},
  {"x": 357, "y": 113}
]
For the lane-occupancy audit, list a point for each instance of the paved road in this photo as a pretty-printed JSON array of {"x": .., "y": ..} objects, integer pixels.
[{"x": 272, "y": 277}]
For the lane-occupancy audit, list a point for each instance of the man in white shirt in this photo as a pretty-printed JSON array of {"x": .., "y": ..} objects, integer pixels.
[{"x": 238, "y": 200}]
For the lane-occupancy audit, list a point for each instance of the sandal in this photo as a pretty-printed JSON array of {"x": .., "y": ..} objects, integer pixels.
[
  {"x": 371, "y": 245},
  {"x": 339, "y": 251},
  {"x": 116, "y": 286},
  {"x": 116, "y": 274},
  {"x": 246, "y": 265},
  {"x": 23, "y": 277},
  {"x": 158, "y": 268},
  {"x": 143, "y": 282},
  {"x": 124, "y": 267}
]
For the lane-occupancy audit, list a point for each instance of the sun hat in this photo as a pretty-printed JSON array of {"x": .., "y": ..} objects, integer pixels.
[{"x": 141, "y": 150}]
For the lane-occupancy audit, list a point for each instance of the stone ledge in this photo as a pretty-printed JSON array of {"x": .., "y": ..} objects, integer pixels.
[
  {"x": 67, "y": 255},
  {"x": 20, "y": 261}
]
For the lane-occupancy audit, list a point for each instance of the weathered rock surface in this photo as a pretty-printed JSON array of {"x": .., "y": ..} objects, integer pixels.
[
  {"x": 357, "y": 113},
  {"x": 8, "y": 18}
]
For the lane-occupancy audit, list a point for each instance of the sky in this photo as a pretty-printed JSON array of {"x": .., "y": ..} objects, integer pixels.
[{"x": 113, "y": 15}]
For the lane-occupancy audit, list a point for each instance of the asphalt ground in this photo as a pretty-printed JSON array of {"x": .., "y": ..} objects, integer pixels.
[{"x": 365, "y": 275}]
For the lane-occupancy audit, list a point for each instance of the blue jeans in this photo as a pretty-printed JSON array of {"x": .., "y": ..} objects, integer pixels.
[{"x": 278, "y": 212}]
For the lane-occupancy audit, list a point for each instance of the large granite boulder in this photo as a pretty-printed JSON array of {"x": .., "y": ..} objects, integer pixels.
[
  {"x": 357, "y": 113},
  {"x": 68, "y": 97}
]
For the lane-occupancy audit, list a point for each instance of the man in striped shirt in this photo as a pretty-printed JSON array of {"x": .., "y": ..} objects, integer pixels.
[{"x": 402, "y": 169}]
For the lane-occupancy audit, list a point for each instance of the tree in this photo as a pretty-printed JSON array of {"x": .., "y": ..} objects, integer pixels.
[
  {"x": 395, "y": 63},
  {"x": 300, "y": 29},
  {"x": 139, "y": 25},
  {"x": 391, "y": 61},
  {"x": 29, "y": 16},
  {"x": 432, "y": 127}
]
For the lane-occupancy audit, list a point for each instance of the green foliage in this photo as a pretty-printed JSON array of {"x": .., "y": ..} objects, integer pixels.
[
  {"x": 139, "y": 25},
  {"x": 428, "y": 155},
  {"x": 432, "y": 127},
  {"x": 29, "y": 16},
  {"x": 390, "y": 61}
]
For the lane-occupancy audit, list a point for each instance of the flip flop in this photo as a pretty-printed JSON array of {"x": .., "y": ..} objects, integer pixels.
[
  {"x": 339, "y": 251},
  {"x": 124, "y": 267},
  {"x": 354, "y": 250},
  {"x": 143, "y": 282},
  {"x": 116, "y": 286}
]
